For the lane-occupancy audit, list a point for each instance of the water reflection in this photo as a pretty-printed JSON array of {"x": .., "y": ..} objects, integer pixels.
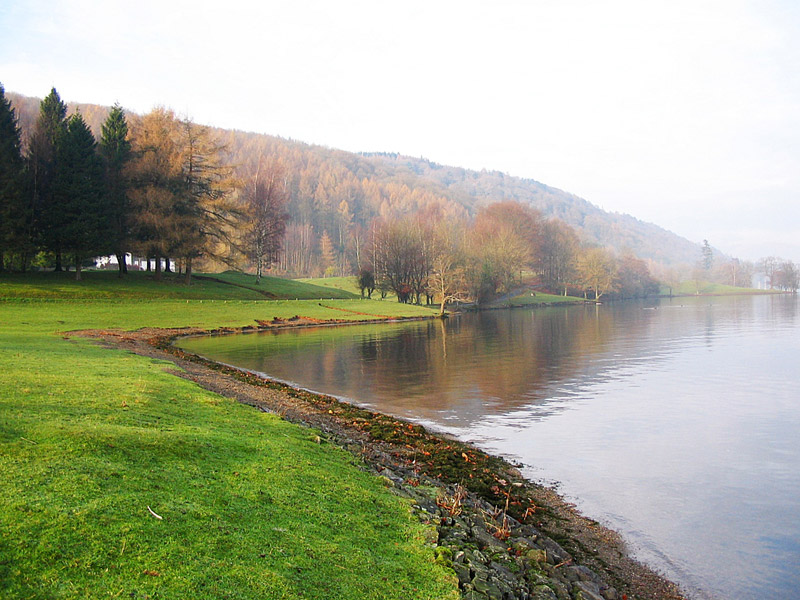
[{"x": 674, "y": 422}]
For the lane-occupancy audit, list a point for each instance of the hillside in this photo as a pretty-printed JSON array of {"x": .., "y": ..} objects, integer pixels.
[{"x": 332, "y": 190}]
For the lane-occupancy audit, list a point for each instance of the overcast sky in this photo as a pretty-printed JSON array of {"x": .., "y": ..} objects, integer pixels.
[{"x": 685, "y": 113}]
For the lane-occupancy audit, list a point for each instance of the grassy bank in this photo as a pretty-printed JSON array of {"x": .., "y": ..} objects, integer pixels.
[
  {"x": 706, "y": 288},
  {"x": 251, "y": 506}
]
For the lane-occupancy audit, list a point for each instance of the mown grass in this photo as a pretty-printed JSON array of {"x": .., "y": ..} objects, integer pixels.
[
  {"x": 290, "y": 288},
  {"x": 252, "y": 506},
  {"x": 692, "y": 288},
  {"x": 527, "y": 299},
  {"x": 106, "y": 284},
  {"x": 345, "y": 284}
]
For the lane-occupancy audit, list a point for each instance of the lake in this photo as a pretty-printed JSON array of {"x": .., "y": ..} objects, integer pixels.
[{"x": 674, "y": 422}]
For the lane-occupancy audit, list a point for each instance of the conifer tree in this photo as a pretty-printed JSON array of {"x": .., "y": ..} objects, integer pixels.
[
  {"x": 78, "y": 192},
  {"x": 115, "y": 149},
  {"x": 49, "y": 127},
  {"x": 14, "y": 216}
]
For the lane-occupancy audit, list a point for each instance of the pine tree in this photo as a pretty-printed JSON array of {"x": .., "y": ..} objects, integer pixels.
[
  {"x": 14, "y": 216},
  {"x": 49, "y": 127},
  {"x": 78, "y": 192},
  {"x": 115, "y": 149}
]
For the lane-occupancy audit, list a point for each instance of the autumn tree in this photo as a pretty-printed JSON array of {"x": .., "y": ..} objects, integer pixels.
[
  {"x": 558, "y": 249},
  {"x": 181, "y": 190},
  {"x": 49, "y": 128},
  {"x": 597, "y": 270},
  {"x": 495, "y": 256},
  {"x": 15, "y": 231},
  {"x": 514, "y": 218},
  {"x": 205, "y": 214},
  {"x": 156, "y": 180},
  {"x": 634, "y": 279},
  {"x": 265, "y": 196},
  {"x": 115, "y": 150},
  {"x": 327, "y": 255}
]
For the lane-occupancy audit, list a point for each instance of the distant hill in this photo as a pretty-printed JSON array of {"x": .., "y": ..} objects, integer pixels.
[{"x": 332, "y": 190}]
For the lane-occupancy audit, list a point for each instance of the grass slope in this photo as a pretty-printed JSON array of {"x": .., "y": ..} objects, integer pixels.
[
  {"x": 692, "y": 288},
  {"x": 252, "y": 506},
  {"x": 290, "y": 288}
]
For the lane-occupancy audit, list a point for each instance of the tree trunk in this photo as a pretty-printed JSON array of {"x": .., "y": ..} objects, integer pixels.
[
  {"x": 188, "y": 279},
  {"x": 121, "y": 266},
  {"x": 158, "y": 268},
  {"x": 77, "y": 267},
  {"x": 59, "y": 266},
  {"x": 2, "y": 262},
  {"x": 167, "y": 267}
]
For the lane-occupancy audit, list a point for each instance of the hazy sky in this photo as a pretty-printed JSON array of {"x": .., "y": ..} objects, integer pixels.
[{"x": 685, "y": 113}]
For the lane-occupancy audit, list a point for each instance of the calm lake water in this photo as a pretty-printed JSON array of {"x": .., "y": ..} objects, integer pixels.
[{"x": 677, "y": 423}]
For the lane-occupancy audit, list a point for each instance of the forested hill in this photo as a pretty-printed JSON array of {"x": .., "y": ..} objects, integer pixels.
[
  {"x": 332, "y": 190},
  {"x": 474, "y": 189}
]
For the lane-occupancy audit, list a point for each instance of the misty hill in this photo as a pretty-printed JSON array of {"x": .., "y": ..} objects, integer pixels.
[{"x": 331, "y": 190}]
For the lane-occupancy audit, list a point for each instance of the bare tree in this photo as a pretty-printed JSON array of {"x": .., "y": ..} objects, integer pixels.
[{"x": 265, "y": 197}]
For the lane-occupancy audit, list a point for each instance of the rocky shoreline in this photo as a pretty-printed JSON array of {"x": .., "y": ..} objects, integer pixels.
[{"x": 503, "y": 536}]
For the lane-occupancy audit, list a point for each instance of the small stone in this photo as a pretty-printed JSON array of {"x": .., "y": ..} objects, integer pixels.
[
  {"x": 542, "y": 592},
  {"x": 462, "y": 572},
  {"x": 536, "y": 555},
  {"x": 588, "y": 590}
]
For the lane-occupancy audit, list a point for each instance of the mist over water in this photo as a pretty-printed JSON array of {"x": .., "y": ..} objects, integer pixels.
[{"x": 674, "y": 422}]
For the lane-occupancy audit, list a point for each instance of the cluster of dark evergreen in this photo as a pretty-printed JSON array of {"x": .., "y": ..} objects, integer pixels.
[{"x": 65, "y": 195}]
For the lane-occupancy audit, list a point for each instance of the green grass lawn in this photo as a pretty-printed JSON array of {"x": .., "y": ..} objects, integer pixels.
[
  {"x": 691, "y": 288},
  {"x": 345, "y": 284},
  {"x": 291, "y": 288},
  {"x": 526, "y": 299},
  {"x": 251, "y": 506}
]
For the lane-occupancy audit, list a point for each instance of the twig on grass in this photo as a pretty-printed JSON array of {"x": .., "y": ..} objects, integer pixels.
[{"x": 159, "y": 517}]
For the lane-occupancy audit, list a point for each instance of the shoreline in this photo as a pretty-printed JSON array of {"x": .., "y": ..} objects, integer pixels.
[{"x": 503, "y": 535}]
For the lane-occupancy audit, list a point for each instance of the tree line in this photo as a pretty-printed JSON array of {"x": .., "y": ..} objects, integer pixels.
[
  {"x": 159, "y": 187},
  {"x": 507, "y": 247},
  {"x": 164, "y": 187}
]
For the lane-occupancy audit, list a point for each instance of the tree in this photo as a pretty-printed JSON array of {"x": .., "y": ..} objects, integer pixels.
[
  {"x": 634, "y": 279},
  {"x": 787, "y": 276},
  {"x": 327, "y": 255},
  {"x": 115, "y": 150},
  {"x": 401, "y": 252},
  {"x": 366, "y": 281},
  {"x": 514, "y": 218},
  {"x": 265, "y": 198},
  {"x": 708, "y": 256},
  {"x": 768, "y": 266},
  {"x": 78, "y": 191},
  {"x": 50, "y": 126},
  {"x": 558, "y": 248},
  {"x": 495, "y": 257},
  {"x": 181, "y": 191},
  {"x": 14, "y": 213},
  {"x": 448, "y": 276},
  {"x": 156, "y": 179},
  {"x": 205, "y": 215},
  {"x": 597, "y": 270}
]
